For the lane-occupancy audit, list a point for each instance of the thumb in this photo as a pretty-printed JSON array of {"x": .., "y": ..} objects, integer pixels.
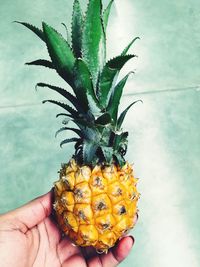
[{"x": 33, "y": 212}]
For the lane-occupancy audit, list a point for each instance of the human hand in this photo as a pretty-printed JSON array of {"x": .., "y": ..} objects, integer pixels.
[{"x": 29, "y": 238}]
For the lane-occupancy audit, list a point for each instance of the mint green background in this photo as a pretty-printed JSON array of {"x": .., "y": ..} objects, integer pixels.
[{"x": 164, "y": 141}]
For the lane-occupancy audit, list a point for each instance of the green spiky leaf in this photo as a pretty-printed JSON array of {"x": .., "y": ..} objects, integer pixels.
[
  {"x": 93, "y": 42},
  {"x": 118, "y": 62},
  {"x": 60, "y": 52},
  {"x": 108, "y": 77},
  {"x": 104, "y": 119},
  {"x": 64, "y": 93},
  {"x": 107, "y": 153},
  {"x": 83, "y": 87},
  {"x": 77, "y": 25},
  {"x": 120, "y": 159},
  {"x": 41, "y": 62},
  {"x": 106, "y": 133},
  {"x": 70, "y": 140},
  {"x": 67, "y": 33},
  {"x": 72, "y": 112},
  {"x": 62, "y": 114},
  {"x": 34, "y": 29},
  {"x": 123, "y": 114},
  {"x": 81, "y": 123},
  {"x": 119, "y": 140},
  {"x": 77, "y": 131},
  {"x": 89, "y": 151},
  {"x": 116, "y": 97},
  {"x": 91, "y": 134},
  {"x": 81, "y": 62},
  {"x": 106, "y": 14},
  {"x": 129, "y": 46}
]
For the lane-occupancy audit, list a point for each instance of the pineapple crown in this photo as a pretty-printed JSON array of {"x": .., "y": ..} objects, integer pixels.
[{"x": 94, "y": 104}]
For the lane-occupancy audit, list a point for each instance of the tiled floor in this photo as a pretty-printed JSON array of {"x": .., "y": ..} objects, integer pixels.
[{"x": 164, "y": 130}]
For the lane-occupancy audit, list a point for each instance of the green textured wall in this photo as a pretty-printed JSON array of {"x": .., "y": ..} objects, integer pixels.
[{"x": 164, "y": 131}]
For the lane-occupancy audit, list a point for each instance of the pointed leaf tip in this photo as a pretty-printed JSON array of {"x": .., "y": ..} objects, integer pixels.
[
  {"x": 77, "y": 29},
  {"x": 71, "y": 98},
  {"x": 73, "y": 113},
  {"x": 123, "y": 114},
  {"x": 34, "y": 29},
  {"x": 67, "y": 32},
  {"x": 109, "y": 75},
  {"x": 106, "y": 14},
  {"x": 41, "y": 62},
  {"x": 77, "y": 131},
  {"x": 129, "y": 46},
  {"x": 66, "y": 141}
]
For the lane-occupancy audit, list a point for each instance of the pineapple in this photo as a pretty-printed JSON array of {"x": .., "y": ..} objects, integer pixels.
[{"x": 95, "y": 196}]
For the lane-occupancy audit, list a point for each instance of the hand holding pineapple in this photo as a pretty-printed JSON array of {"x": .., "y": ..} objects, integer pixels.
[
  {"x": 29, "y": 238},
  {"x": 95, "y": 198}
]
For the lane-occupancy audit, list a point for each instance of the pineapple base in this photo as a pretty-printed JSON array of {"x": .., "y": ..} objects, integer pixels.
[{"x": 95, "y": 207}]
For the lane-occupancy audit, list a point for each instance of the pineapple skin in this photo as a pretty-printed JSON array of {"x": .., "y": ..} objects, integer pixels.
[{"x": 95, "y": 206}]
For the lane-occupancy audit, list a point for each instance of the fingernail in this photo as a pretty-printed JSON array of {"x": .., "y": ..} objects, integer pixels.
[{"x": 133, "y": 240}]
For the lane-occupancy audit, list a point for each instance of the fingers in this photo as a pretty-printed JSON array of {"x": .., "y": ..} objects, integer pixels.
[
  {"x": 66, "y": 249},
  {"x": 75, "y": 261},
  {"x": 52, "y": 232},
  {"x": 88, "y": 252},
  {"x": 33, "y": 212},
  {"x": 118, "y": 253},
  {"x": 96, "y": 262},
  {"x": 71, "y": 255}
]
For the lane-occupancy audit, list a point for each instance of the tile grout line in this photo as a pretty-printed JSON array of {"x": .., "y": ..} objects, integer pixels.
[
  {"x": 20, "y": 105},
  {"x": 172, "y": 90}
]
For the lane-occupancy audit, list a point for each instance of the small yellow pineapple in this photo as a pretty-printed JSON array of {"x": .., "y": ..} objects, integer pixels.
[
  {"x": 95, "y": 196},
  {"x": 95, "y": 206}
]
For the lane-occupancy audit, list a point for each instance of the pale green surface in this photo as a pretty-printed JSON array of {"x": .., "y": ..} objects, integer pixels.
[{"x": 164, "y": 131}]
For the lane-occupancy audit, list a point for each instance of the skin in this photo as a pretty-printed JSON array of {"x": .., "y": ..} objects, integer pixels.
[{"x": 29, "y": 238}]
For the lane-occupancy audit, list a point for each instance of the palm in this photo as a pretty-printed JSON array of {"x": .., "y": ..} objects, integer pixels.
[{"x": 41, "y": 245}]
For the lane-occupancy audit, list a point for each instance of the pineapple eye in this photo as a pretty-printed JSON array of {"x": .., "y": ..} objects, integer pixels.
[
  {"x": 78, "y": 193},
  {"x": 119, "y": 192},
  {"x": 133, "y": 196},
  {"x": 101, "y": 206},
  {"x": 81, "y": 215},
  {"x": 105, "y": 226},
  {"x": 98, "y": 182},
  {"x": 122, "y": 210}
]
